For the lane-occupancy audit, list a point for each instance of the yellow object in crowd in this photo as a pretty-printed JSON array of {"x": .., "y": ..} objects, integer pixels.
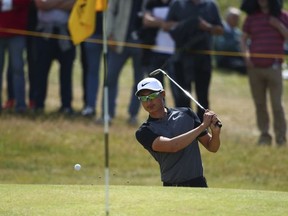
[{"x": 82, "y": 18}]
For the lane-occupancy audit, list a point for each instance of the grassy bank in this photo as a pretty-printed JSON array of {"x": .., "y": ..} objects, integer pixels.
[{"x": 69, "y": 200}]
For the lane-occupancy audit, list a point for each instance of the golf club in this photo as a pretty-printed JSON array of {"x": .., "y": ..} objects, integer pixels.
[{"x": 157, "y": 71}]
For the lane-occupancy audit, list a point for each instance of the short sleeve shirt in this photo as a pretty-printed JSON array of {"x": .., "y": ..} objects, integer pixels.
[
  {"x": 183, "y": 165},
  {"x": 264, "y": 38}
]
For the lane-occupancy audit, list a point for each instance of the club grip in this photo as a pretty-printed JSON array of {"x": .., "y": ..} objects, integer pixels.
[{"x": 219, "y": 124}]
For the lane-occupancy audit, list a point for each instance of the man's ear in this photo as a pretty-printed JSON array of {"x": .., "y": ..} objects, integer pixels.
[{"x": 163, "y": 94}]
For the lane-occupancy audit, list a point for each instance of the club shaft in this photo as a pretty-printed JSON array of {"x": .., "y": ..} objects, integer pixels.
[
  {"x": 186, "y": 92},
  {"x": 155, "y": 72},
  {"x": 219, "y": 124}
]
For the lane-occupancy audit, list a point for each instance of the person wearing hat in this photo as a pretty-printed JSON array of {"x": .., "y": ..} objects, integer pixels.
[{"x": 172, "y": 136}]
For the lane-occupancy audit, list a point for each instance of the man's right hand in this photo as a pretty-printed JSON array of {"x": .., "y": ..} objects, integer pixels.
[{"x": 208, "y": 118}]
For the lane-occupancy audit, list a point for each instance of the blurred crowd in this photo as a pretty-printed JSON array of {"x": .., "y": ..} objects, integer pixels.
[{"x": 174, "y": 35}]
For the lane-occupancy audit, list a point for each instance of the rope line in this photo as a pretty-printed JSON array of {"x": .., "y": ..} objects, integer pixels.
[{"x": 135, "y": 45}]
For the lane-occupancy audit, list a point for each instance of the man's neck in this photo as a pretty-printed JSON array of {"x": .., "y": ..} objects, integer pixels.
[
  {"x": 159, "y": 114},
  {"x": 265, "y": 10},
  {"x": 196, "y": 1}
]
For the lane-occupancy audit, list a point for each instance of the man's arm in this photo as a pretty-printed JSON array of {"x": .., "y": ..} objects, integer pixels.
[
  {"x": 151, "y": 21},
  {"x": 245, "y": 50},
  {"x": 54, "y": 4},
  {"x": 276, "y": 23},
  {"x": 168, "y": 25},
  {"x": 213, "y": 26},
  {"x": 211, "y": 142},
  {"x": 175, "y": 144},
  {"x": 213, "y": 29}
]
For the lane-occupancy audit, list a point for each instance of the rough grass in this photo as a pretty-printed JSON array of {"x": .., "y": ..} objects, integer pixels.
[{"x": 44, "y": 149}]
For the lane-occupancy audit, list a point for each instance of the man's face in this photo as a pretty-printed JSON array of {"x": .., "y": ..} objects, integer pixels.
[
  {"x": 263, "y": 4},
  {"x": 151, "y": 101},
  {"x": 233, "y": 20}
]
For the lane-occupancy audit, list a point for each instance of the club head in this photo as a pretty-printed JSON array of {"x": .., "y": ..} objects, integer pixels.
[{"x": 157, "y": 71}]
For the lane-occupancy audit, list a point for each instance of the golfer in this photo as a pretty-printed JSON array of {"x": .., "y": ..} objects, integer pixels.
[{"x": 171, "y": 136}]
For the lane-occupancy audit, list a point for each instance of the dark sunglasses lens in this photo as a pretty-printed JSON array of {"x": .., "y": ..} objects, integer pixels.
[
  {"x": 153, "y": 95},
  {"x": 149, "y": 97},
  {"x": 142, "y": 98}
]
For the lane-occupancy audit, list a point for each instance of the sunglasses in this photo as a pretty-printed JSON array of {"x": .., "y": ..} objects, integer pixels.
[{"x": 149, "y": 97}]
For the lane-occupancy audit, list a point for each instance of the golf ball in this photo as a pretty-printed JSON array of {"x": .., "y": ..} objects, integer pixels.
[{"x": 77, "y": 167}]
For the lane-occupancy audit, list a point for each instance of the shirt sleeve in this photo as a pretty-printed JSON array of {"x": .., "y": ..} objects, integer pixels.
[
  {"x": 197, "y": 122},
  {"x": 172, "y": 12},
  {"x": 284, "y": 18},
  {"x": 218, "y": 20},
  {"x": 145, "y": 137}
]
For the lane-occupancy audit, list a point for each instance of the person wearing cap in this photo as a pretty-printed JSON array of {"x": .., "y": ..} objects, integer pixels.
[{"x": 172, "y": 136}]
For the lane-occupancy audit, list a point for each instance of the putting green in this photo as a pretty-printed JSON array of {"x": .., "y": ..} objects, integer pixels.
[{"x": 89, "y": 200}]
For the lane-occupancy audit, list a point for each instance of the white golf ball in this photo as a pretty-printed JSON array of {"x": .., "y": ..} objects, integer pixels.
[{"x": 77, "y": 167}]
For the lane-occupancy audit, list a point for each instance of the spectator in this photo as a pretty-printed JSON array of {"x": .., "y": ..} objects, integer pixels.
[
  {"x": 14, "y": 16},
  {"x": 53, "y": 17},
  {"x": 266, "y": 28},
  {"x": 230, "y": 42},
  {"x": 90, "y": 58},
  {"x": 191, "y": 24},
  {"x": 155, "y": 12},
  {"x": 123, "y": 23},
  {"x": 31, "y": 60}
]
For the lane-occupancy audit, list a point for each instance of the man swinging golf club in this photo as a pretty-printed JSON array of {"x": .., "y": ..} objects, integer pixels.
[{"x": 171, "y": 136}]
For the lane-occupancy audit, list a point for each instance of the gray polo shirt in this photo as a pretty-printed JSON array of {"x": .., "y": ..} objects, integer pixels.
[{"x": 183, "y": 165}]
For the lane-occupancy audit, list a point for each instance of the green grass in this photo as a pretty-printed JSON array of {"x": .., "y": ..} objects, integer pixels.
[{"x": 138, "y": 200}]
